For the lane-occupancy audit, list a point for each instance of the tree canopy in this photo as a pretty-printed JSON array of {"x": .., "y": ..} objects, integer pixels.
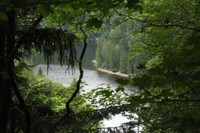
[
  {"x": 50, "y": 26},
  {"x": 166, "y": 97},
  {"x": 164, "y": 47}
]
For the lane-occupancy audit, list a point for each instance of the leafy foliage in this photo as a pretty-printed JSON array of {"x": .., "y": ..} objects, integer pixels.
[
  {"x": 167, "y": 86},
  {"x": 46, "y": 100},
  {"x": 94, "y": 22},
  {"x": 105, "y": 97},
  {"x": 166, "y": 97}
]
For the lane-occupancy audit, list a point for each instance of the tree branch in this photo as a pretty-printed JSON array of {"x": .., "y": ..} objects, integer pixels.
[
  {"x": 78, "y": 85},
  {"x": 80, "y": 70},
  {"x": 175, "y": 25},
  {"x": 20, "y": 98},
  {"x": 21, "y": 40},
  {"x": 158, "y": 25},
  {"x": 145, "y": 90},
  {"x": 46, "y": 3}
]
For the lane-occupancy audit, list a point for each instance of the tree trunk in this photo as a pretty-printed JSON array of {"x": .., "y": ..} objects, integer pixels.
[
  {"x": 4, "y": 89},
  {"x": 7, "y": 42}
]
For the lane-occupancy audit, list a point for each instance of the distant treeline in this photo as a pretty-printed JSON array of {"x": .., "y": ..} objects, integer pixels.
[{"x": 114, "y": 48}]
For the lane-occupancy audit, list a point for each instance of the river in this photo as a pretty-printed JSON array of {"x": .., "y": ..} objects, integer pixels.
[{"x": 92, "y": 77}]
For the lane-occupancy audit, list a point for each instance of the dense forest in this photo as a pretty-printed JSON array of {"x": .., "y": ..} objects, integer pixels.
[
  {"x": 155, "y": 40},
  {"x": 114, "y": 46}
]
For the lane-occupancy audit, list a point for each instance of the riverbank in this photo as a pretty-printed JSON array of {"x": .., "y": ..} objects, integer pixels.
[{"x": 110, "y": 72}]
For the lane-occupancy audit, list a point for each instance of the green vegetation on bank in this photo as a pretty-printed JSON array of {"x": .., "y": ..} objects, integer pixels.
[{"x": 46, "y": 101}]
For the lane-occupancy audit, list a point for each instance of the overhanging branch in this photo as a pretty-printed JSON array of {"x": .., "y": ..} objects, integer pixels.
[
  {"x": 159, "y": 25},
  {"x": 78, "y": 85},
  {"x": 21, "y": 40}
]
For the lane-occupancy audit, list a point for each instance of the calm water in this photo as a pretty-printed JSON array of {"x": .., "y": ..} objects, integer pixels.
[{"x": 92, "y": 78}]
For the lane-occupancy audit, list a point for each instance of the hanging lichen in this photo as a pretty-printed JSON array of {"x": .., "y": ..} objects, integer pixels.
[{"x": 52, "y": 42}]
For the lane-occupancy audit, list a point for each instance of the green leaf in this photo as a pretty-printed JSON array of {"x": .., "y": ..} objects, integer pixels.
[
  {"x": 194, "y": 39},
  {"x": 122, "y": 81},
  {"x": 166, "y": 93},
  {"x": 120, "y": 88},
  {"x": 108, "y": 94},
  {"x": 132, "y": 3},
  {"x": 43, "y": 10},
  {"x": 94, "y": 22},
  {"x": 134, "y": 99}
]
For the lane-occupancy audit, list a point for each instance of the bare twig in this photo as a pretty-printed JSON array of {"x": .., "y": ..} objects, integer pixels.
[{"x": 80, "y": 70}]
